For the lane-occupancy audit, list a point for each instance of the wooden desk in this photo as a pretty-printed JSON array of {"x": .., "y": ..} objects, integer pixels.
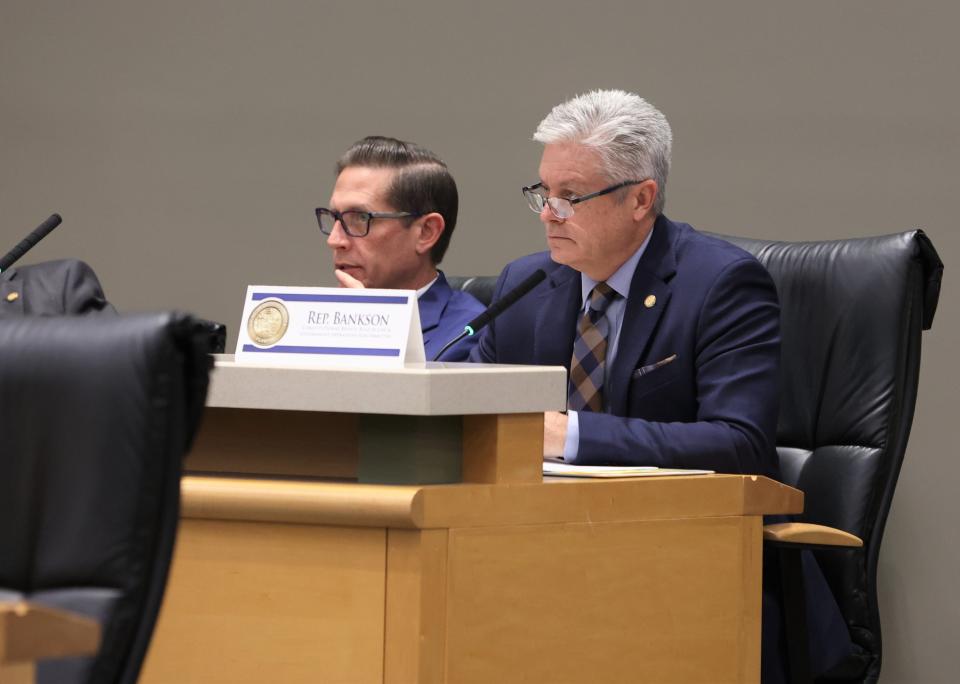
[
  {"x": 29, "y": 633},
  {"x": 654, "y": 580},
  {"x": 282, "y": 576}
]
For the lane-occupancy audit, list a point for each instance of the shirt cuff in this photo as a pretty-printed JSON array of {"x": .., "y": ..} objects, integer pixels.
[{"x": 572, "y": 444}]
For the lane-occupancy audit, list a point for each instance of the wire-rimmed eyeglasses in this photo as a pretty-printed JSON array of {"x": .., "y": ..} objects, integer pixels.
[{"x": 562, "y": 207}]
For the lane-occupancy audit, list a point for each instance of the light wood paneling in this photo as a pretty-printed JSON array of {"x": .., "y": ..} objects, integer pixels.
[
  {"x": 256, "y": 602},
  {"x": 470, "y": 505},
  {"x": 301, "y": 443},
  {"x": 808, "y": 533},
  {"x": 30, "y": 632},
  {"x": 17, "y": 673},
  {"x": 415, "y": 642},
  {"x": 666, "y": 601},
  {"x": 503, "y": 448},
  {"x": 654, "y": 579},
  {"x": 298, "y": 501},
  {"x": 585, "y": 500},
  {"x": 752, "y": 596}
]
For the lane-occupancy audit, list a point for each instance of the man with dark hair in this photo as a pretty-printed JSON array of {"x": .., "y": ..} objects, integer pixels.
[{"x": 389, "y": 223}]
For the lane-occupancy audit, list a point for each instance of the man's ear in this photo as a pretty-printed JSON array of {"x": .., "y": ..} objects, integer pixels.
[
  {"x": 643, "y": 197},
  {"x": 431, "y": 228}
]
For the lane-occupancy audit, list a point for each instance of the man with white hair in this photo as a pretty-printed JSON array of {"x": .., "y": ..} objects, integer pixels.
[{"x": 671, "y": 337}]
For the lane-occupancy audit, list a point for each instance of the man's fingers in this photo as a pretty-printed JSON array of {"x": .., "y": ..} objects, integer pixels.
[{"x": 347, "y": 280}]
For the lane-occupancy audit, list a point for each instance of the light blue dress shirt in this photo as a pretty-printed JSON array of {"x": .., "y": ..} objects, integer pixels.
[{"x": 620, "y": 282}]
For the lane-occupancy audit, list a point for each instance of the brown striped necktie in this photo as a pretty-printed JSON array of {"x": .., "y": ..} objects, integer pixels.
[{"x": 590, "y": 352}]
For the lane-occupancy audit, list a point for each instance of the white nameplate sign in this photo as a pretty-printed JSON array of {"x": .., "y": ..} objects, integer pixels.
[{"x": 329, "y": 326}]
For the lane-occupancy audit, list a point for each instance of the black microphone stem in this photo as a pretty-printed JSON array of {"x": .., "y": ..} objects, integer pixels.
[
  {"x": 28, "y": 242},
  {"x": 495, "y": 309},
  {"x": 465, "y": 333}
]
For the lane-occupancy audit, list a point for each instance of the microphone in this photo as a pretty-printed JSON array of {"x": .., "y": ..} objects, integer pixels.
[
  {"x": 495, "y": 309},
  {"x": 28, "y": 242}
]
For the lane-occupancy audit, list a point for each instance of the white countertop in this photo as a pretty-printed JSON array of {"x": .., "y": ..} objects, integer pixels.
[{"x": 424, "y": 389}]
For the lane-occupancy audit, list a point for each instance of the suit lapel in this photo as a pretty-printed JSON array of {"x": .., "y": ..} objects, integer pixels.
[
  {"x": 556, "y": 322},
  {"x": 11, "y": 294},
  {"x": 654, "y": 270}
]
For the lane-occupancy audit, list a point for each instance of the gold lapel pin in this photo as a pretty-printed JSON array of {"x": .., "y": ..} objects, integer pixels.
[
  {"x": 13, "y": 296},
  {"x": 650, "y": 301}
]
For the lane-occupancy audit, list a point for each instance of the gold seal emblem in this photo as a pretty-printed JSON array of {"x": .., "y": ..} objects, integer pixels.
[{"x": 268, "y": 322}]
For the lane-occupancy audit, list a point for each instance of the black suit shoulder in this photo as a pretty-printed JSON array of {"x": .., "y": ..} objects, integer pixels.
[{"x": 52, "y": 288}]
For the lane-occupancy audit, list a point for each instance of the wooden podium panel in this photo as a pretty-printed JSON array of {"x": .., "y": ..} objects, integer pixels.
[
  {"x": 662, "y": 601},
  {"x": 31, "y": 632},
  {"x": 261, "y": 602},
  {"x": 654, "y": 579}
]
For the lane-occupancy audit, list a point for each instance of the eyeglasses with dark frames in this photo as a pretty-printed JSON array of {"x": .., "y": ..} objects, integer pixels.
[
  {"x": 562, "y": 207},
  {"x": 355, "y": 223}
]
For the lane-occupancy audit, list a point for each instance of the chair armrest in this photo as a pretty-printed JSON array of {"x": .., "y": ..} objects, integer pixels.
[{"x": 809, "y": 534}]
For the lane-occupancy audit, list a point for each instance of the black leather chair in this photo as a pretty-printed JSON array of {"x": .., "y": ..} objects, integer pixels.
[
  {"x": 96, "y": 414},
  {"x": 481, "y": 287},
  {"x": 851, "y": 322},
  {"x": 852, "y": 315}
]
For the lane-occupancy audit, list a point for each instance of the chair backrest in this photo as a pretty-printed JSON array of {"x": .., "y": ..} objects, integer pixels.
[
  {"x": 95, "y": 417},
  {"x": 852, "y": 312},
  {"x": 481, "y": 287}
]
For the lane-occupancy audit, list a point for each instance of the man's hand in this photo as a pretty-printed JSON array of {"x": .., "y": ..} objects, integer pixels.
[
  {"x": 347, "y": 280},
  {"x": 554, "y": 433}
]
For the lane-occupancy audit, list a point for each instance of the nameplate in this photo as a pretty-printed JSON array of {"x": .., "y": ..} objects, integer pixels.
[{"x": 328, "y": 326}]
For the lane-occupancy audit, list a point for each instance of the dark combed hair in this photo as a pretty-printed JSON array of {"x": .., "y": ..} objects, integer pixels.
[{"x": 422, "y": 185}]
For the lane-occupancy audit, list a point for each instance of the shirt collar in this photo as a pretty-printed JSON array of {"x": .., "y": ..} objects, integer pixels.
[
  {"x": 620, "y": 280},
  {"x": 423, "y": 290}
]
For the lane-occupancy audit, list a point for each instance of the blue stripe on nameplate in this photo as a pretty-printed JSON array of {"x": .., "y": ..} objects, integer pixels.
[
  {"x": 341, "y": 351},
  {"x": 343, "y": 299}
]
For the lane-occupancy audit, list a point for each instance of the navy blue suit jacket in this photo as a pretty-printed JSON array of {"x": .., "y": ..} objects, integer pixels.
[
  {"x": 715, "y": 405},
  {"x": 443, "y": 314}
]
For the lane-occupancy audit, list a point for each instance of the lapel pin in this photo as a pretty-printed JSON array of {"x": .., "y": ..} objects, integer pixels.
[
  {"x": 650, "y": 301},
  {"x": 13, "y": 296}
]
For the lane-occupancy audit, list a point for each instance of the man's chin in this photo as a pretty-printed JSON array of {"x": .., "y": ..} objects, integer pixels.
[{"x": 560, "y": 255}]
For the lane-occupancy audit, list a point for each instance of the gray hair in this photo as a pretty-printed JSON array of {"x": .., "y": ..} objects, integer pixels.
[{"x": 631, "y": 136}]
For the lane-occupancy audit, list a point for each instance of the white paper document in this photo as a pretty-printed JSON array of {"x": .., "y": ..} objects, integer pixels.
[{"x": 558, "y": 469}]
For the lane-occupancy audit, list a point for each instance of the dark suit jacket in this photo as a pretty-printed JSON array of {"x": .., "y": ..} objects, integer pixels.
[
  {"x": 51, "y": 288},
  {"x": 715, "y": 307},
  {"x": 443, "y": 314}
]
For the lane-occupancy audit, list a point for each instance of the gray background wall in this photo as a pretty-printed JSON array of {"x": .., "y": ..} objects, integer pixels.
[{"x": 187, "y": 143}]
